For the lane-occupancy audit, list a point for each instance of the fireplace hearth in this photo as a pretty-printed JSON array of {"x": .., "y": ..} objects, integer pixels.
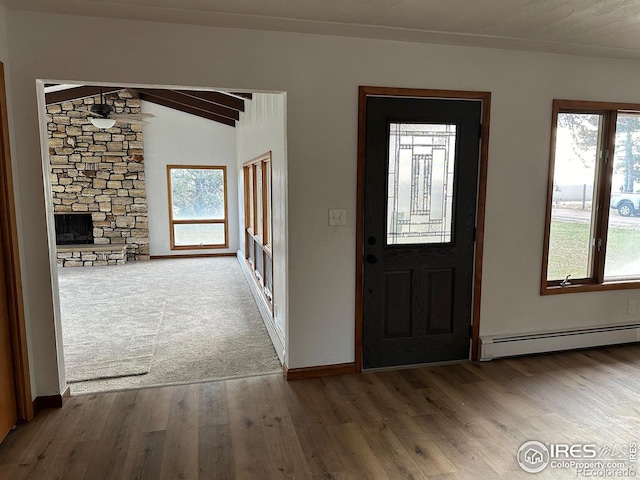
[{"x": 74, "y": 229}]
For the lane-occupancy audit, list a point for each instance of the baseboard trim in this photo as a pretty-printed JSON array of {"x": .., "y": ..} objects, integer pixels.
[
  {"x": 192, "y": 255},
  {"x": 51, "y": 401},
  {"x": 319, "y": 371}
]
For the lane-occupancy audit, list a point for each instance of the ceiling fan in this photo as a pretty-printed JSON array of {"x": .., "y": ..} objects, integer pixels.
[{"x": 103, "y": 116}]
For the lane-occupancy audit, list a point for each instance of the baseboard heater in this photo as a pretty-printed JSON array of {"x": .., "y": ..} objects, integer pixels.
[{"x": 513, "y": 345}]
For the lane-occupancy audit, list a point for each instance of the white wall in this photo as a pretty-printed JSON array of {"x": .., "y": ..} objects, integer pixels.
[
  {"x": 321, "y": 75},
  {"x": 4, "y": 58},
  {"x": 4, "y": 46},
  {"x": 262, "y": 128},
  {"x": 178, "y": 138}
]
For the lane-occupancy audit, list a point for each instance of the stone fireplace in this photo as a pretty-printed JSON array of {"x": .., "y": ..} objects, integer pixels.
[{"x": 98, "y": 182}]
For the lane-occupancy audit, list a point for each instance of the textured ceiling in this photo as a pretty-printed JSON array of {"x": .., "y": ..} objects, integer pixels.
[{"x": 593, "y": 27}]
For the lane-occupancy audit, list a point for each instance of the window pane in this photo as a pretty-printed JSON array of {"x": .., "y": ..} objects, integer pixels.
[
  {"x": 268, "y": 234},
  {"x": 420, "y": 183},
  {"x": 199, "y": 234},
  {"x": 578, "y": 138},
  {"x": 268, "y": 276},
  {"x": 252, "y": 250},
  {"x": 623, "y": 238},
  {"x": 258, "y": 207},
  {"x": 249, "y": 193},
  {"x": 259, "y": 265},
  {"x": 197, "y": 194}
]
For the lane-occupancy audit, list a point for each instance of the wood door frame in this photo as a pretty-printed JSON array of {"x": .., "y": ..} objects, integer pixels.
[
  {"x": 9, "y": 232},
  {"x": 485, "y": 98}
]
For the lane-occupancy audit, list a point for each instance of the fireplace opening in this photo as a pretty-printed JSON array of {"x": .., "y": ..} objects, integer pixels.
[{"x": 74, "y": 229}]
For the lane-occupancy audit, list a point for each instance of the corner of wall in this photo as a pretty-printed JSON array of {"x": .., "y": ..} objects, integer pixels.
[
  {"x": 262, "y": 128},
  {"x": 5, "y": 55}
]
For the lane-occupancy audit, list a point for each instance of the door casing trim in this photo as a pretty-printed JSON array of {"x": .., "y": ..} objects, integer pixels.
[
  {"x": 485, "y": 98},
  {"x": 9, "y": 232}
]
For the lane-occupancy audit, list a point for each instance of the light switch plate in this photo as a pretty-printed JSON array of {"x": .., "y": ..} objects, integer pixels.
[{"x": 337, "y": 217}]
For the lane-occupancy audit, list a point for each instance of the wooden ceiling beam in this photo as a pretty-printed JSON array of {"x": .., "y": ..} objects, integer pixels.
[
  {"x": 186, "y": 109},
  {"x": 78, "y": 92},
  {"x": 178, "y": 98},
  {"x": 217, "y": 98}
]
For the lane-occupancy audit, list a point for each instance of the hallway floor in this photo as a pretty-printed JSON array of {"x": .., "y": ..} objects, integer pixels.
[{"x": 463, "y": 421}]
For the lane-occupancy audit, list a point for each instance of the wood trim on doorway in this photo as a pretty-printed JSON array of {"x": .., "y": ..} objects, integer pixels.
[
  {"x": 9, "y": 232},
  {"x": 485, "y": 98}
]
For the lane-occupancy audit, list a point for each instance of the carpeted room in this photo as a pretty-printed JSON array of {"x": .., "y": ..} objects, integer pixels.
[
  {"x": 135, "y": 310},
  {"x": 198, "y": 321}
]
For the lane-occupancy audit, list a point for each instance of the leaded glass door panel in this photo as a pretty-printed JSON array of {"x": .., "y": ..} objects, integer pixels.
[{"x": 421, "y": 175}]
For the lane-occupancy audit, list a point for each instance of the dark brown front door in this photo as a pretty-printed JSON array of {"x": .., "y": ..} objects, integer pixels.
[{"x": 421, "y": 183}]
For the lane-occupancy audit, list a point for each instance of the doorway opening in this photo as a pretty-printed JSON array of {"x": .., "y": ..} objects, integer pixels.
[
  {"x": 146, "y": 233},
  {"x": 422, "y": 166}
]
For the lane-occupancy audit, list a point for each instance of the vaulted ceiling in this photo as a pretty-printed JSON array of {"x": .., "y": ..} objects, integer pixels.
[
  {"x": 594, "y": 27},
  {"x": 220, "y": 107}
]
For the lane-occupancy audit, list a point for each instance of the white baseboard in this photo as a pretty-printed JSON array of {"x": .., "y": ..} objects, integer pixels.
[
  {"x": 274, "y": 332},
  {"x": 513, "y": 345}
]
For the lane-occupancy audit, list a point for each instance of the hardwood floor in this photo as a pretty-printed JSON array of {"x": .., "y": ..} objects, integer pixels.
[{"x": 463, "y": 421}]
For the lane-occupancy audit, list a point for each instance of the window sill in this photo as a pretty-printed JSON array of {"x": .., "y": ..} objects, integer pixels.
[
  {"x": 590, "y": 287},
  {"x": 198, "y": 247}
]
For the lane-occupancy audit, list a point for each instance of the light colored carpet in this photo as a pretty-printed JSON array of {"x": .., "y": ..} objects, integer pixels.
[{"x": 161, "y": 322}]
